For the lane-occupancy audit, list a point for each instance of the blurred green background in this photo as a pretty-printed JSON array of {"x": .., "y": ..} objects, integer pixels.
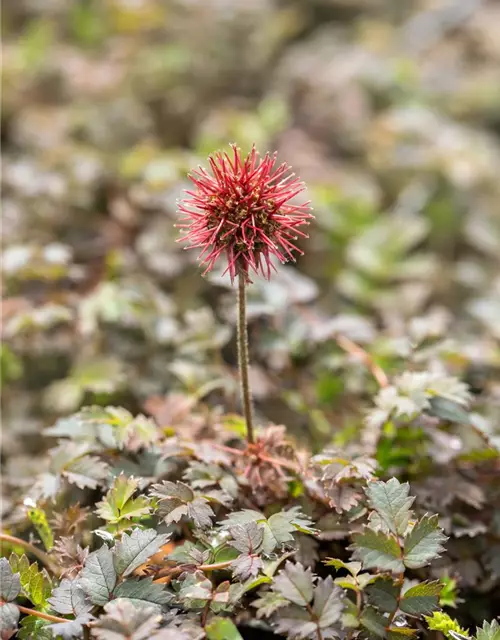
[{"x": 388, "y": 109}]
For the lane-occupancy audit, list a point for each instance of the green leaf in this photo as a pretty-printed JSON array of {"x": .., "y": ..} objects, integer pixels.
[
  {"x": 118, "y": 503},
  {"x": 222, "y": 629},
  {"x": 353, "y": 567},
  {"x": 196, "y": 589},
  {"x": 98, "y": 577},
  {"x": 246, "y": 566},
  {"x": 348, "y": 582},
  {"x": 295, "y": 623},
  {"x": 268, "y": 603},
  {"x": 489, "y": 631},
  {"x": 448, "y": 595},
  {"x": 123, "y": 620},
  {"x": 142, "y": 592},
  {"x": 178, "y": 500},
  {"x": 70, "y": 598},
  {"x": 278, "y": 529},
  {"x": 72, "y": 628},
  {"x": 422, "y": 598},
  {"x": 377, "y": 550},
  {"x": 86, "y": 472},
  {"x": 10, "y": 583},
  {"x": 41, "y": 524},
  {"x": 33, "y": 627},
  {"x": 383, "y": 594},
  {"x": 134, "y": 549},
  {"x": 36, "y": 585},
  {"x": 9, "y": 619},
  {"x": 391, "y": 500},
  {"x": 423, "y": 543},
  {"x": 328, "y": 603},
  {"x": 247, "y": 538},
  {"x": 440, "y": 621},
  {"x": 373, "y": 622},
  {"x": 189, "y": 553},
  {"x": 295, "y": 583},
  {"x": 448, "y": 410},
  {"x": 271, "y": 566}
]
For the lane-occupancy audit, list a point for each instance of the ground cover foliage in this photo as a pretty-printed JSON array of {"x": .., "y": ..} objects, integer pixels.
[{"x": 369, "y": 506}]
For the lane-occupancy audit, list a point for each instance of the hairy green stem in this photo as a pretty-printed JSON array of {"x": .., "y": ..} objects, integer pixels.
[{"x": 246, "y": 398}]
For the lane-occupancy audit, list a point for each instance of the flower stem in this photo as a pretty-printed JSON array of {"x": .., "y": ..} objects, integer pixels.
[{"x": 243, "y": 357}]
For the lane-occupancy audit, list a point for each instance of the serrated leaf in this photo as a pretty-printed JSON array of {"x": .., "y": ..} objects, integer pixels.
[
  {"x": 268, "y": 603},
  {"x": 422, "y": 598},
  {"x": 383, "y": 594},
  {"x": 134, "y": 549},
  {"x": 70, "y": 598},
  {"x": 270, "y": 567},
  {"x": 423, "y": 543},
  {"x": 98, "y": 577},
  {"x": 343, "y": 497},
  {"x": 178, "y": 500},
  {"x": 328, "y": 603},
  {"x": 36, "y": 584},
  {"x": 10, "y": 583},
  {"x": 39, "y": 519},
  {"x": 246, "y": 566},
  {"x": 196, "y": 587},
  {"x": 189, "y": 553},
  {"x": 449, "y": 410},
  {"x": 86, "y": 472},
  {"x": 19, "y": 564},
  {"x": 118, "y": 503},
  {"x": 247, "y": 538},
  {"x": 222, "y": 629},
  {"x": 9, "y": 619},
  {"x": 72, "y": 628},
  {"x": 391, "y": 500},
  {"x": 295, "y": 623},
  {"x": 278, "y": 529},
  {"x": 373, "y": 622},
  {"x": 124, "y": 621},
  {"x": 33, "y": 627},
  {"x": 353, "y": 567},
  {"x": 377, "y": 550},
  {"x": 142, "y": 592},
  {"x": 489, "y": 631},
  {"x": 440, "y": 621},
  {"x": 295, "y": 583},
  {"x": 347, "y": 582}
]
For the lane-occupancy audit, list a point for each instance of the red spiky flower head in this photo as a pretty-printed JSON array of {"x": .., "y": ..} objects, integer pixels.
[{"x": 241, "y": 211}]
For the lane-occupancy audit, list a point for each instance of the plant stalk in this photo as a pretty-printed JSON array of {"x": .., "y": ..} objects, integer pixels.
[
  {"x": 41, "y": 614},
  {"x": 246, "y": 398},
  {"x": 30, "y": 548}
]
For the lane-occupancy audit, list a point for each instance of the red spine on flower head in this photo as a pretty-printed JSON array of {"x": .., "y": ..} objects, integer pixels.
[{"x": 241, "y": 211}]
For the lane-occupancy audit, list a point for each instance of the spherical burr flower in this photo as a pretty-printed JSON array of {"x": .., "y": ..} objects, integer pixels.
[{"x": 241, "y": 211}]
